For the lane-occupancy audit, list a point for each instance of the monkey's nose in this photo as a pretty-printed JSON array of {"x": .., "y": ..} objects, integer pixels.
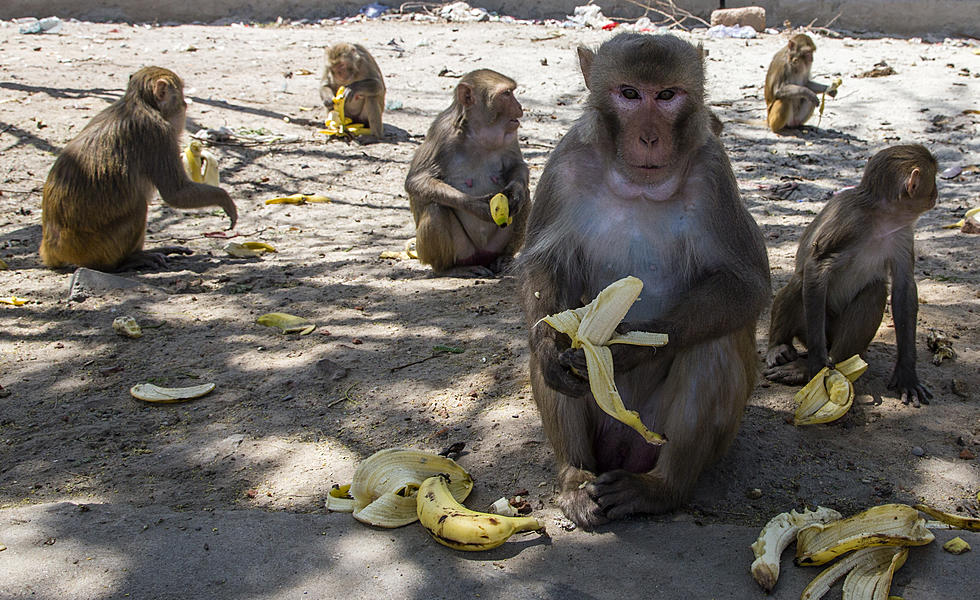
[{"x": 649, "y": 140}]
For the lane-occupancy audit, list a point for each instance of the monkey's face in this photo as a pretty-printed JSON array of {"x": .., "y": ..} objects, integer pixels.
[
  {"x": 505, "y": 110},
  {"x": 343, "y": 70},
  {"x": 646, "y": 115}
]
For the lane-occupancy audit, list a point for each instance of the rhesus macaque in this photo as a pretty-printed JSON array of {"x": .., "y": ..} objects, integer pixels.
[
  {"x": 95, "y": 198},
  {"x": 352, "y": 66},
  {"x": 470, "y": 154},
  {"x": 835, "y": 300},
  {"x": 641, "y": 186},
  {"x": 790, "y": 95}
]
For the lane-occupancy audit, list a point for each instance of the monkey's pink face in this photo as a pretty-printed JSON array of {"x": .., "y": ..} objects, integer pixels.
[
  {"x": 507, "y": 110},
  {"x": 646, "y": 115},
  {"x": 342, "y": 71}
]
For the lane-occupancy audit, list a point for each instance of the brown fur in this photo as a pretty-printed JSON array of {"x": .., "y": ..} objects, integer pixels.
[
  {"x": 835, "y": 300},
  {"x": 352, "y": 66},
  {"x": 790, "y": 95},
  {"x": 95, "y": 198},
  {"x": 470, "y": 153},
  {"x": 641, "y": 186}
]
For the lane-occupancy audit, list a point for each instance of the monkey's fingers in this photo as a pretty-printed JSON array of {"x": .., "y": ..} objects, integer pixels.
[{"x": 574, "y": 360}]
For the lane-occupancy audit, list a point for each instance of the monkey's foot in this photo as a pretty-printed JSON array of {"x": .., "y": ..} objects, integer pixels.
[
  {"x": 155, "y": 259},
  {"x": 467, "y": 272},
  {"x": 620, "y": 493},
  {"x": 794, "y": 373},
  {"x": 579, "y": 506},
  {"x": 173, "y": 250},
  {"x": 781, "y": 355}
]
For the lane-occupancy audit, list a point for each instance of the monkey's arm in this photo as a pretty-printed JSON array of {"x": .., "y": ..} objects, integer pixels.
[
  {"x": 791, "y": 91},
  {"x": 905, "y": 310},
  {"x": 423, "y": 185},
  {"x": 816, "y": 276},
  {"x": 819, "y": 88},
  {"x": 367, "y": 87},
  {"x": 516, "y": 186},
  {"x": 178, "y": 191}
]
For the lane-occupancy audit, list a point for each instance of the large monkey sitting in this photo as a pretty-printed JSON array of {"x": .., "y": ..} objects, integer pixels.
[
  {"x": 93, "y": 211},
  {"x": 640, "y": 186},
  {"x": 469, "y": 155}
]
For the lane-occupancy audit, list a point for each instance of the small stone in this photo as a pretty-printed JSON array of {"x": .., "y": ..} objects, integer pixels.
[
  {"x": 753, "y": 494},
  {"x": 918, "y": 451}
]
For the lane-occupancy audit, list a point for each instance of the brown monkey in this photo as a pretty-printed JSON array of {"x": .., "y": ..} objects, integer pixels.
[
  {"x": 470, "y": 154},
  {"x": 835, "y": 300},
  {"x": 352, "y": 66},
  {"x": 641, "y": 186},
  {"x": 790, "y": 95},
  {"x": 95, "y": 198}
]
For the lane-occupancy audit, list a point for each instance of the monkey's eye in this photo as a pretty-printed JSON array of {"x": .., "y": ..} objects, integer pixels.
[
  {"x": 665, "y": 95},
  {"x": 630, "y": 93}
]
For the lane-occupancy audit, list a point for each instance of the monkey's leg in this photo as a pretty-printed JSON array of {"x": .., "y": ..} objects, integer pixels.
[
  {"x": 699, "y": 407},
  {"x": 569, "y": 426},
  {"x": 779, "y": 114},
  {"x": 442, "y": 243},
  {"x": 785, "y": 323},
  {"x": 851, "y": 332},
  {"x": 801, "y": 111}
]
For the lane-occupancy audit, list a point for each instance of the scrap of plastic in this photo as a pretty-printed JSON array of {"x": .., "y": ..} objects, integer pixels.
[
  {"x": 45, "y": 25},
  {"x": 373, "y": 10},
  {"x": 743, "y": 32},
  {"x": 588, "y": 16},
  {"x": 461, "y": 12}
]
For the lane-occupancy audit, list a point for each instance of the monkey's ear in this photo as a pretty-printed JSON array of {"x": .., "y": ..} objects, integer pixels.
[
  {"x": 791, "y": 45},
  {"x": 913, "y": 182},
  {"x": 701, "y": 51},
  {"x": 465, "y": 95},
  {"x": 161, "y": 90},
  {"x": 585, "y": 57}
]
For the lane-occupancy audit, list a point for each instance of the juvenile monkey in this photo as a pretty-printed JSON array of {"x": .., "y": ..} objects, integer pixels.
[
  {"x": 352, "y": 66},
  {"x": 790, "y": 95},
  {"x": 95, "y": 198},
  {"x": 642, "y": 186},
  {"x": 835, "y": 300},
  {"x": 470, "y": 154}
]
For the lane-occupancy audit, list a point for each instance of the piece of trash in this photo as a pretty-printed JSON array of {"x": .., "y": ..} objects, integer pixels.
[
  {"x": 461, "y": 12},
  {"x": 286, "y": 323},
  {"x": 610, "y": 26},
  {"x": 13, "y": 301},
  {"x": 751, "y": 16},
  {"x": 393, "y": 104},
  {"x": 161, "y": 395},
  {"x": 940, "y": 345},
  {"x": 298, "y": 199},
  {"x": 45, "y": 25},
  {"x": 127, "y": 327},
  {"x": 951, "y": 172},
  {"x": 373, "y": 10},
  {"x": 502, "y": 507},
  {"x": 446, "y": 72},
  {"x": 741, "y": 32},
  {"x": 589, "y": 15},
  {"x": 879, "y": 70}
]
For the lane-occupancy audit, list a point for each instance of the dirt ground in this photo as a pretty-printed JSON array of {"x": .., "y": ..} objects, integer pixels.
[{"x": 278, "y": 430}]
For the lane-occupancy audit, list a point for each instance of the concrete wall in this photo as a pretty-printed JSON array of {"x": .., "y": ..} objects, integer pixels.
[{"x": 914, "y": 17}]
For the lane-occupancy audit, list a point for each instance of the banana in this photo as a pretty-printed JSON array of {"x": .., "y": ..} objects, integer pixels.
[
  {"x": 962, "y": 222},
  {"x": 968, "y": 523},
  {"x": 592, "y": 328},
  {"x": 460, "y": 528},
  {"x": 869, "y": 574},
  {"x": 830, "y": 394},
  {"x": 13, "y": 301},
  {"x": 297, "y": 199},
  {"x": 823, "y": 98},
  {"x": 885, "y": 525},
  {"x": 338, "y": 123},
  {"x": 500, "y": 210},
  {"x": 201, "y": 165},
  {"x": 779, "y": 533},
  {"x": 957, "y": 545}
]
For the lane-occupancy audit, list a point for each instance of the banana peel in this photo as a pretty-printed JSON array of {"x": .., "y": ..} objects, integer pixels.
[
  {"x": 13, "y": 301},
  {"x": 409, "y": 253},
  {"x": 248, "y": 249},
  {"x": 779, "y": 533},
  {"x": 337, "y": 123},
  {"x": 593, "y": 327},
  {"x": 830, "y": 394},
  {"x": 885, "y": 525},
  {"x": 127, "y": 327},
  {"x": 199, "y": 164},
  {"x": 386, "y": 484},
  {"x": 161, "y": 395},
  {"x": 962, "y": 222},
  {"x": 298, "y": 199},
  {"x": 869, "y": 574},
  {"x": 957, "y": 545},
  {"x": 967, "y": 523},
  {"x": 286, "y": 323},
  {"x": 823, "y": 98}
]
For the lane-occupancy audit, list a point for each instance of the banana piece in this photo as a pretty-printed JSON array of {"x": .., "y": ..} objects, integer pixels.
[
  {"x": 286, "y": 323},
  {"x": 779, "y": 533},
  {"x": 339, "y": 499},
  {"x": 885, "y": 525},
  {"x": 454, "y": 525},
  {"x": 13, "y": 301},
  {"x": 957, "y": 545},
  {"x": 500, "y": 210},
  {"x": 259, "y": 246},
  {"x": 297, "y": 199},
  {"x": 201, "y": 165},
  {"x": 127, "y": 327},
  {"x": 869, "y": 574},
  {"x": 830, "y": 394},
  {"x": 968, "y": 523},
  {"x": 161, "y": 395},
  {"x": 592, "y": 328}
]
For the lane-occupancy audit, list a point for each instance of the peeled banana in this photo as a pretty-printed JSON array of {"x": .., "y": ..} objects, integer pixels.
[
  {"x": 869, "y": 574},
  {"x": 885, "y": 525},
  {"x": 200, "y": 164},
  {"x": 830, "y": 394},
  {"x": 337, "y": 122},
  {"x": 968, "y": 523},
  {"x": 454, "y": 525},
  {"x": 500, "y": 210},
  {"x": 386, "y": 483},
  {"x": 592, "y": 328},
  {"x": 779, "y": 533}
]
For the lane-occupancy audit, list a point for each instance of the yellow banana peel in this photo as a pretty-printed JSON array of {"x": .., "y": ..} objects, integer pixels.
[
  {"x": 500, "y": 210},
  {"x": 967, "y": 523},
  {"x": 592, "y": 328},
  {"x": 201, "y": 165},
  {"x": 962, "y": 222},
  {"x": 830, "y": 394},
  {"x": 869, "y": 574},
  {"x": 337, "y": 122},
  {"x": 13, "y": 301},
  {"x": 885, "y": 525},
  {"x": 297, "y": 199},
  {"x": 957, "y": 545},
  {"x": 286, "y": 323},
  {"x": 776, "y": 536}
]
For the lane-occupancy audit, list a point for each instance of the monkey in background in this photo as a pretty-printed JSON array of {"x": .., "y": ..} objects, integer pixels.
[
  {"x": 790, "y": 95},
  {"x": 641, "y": 185},
  {"x": 470, "y": 154},
  {"x": 353, "y": 67},
  {"x": 94, "y": 203},
  {"x": 835, "y": 300}
]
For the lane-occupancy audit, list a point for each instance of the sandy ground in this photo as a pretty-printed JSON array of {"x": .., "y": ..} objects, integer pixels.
[{"x": 278, "y": 431}]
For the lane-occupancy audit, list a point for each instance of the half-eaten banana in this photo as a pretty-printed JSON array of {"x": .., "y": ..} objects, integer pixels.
[
  {"x": 500, "y": 210},
  {"x": 779, "y": 533},
  {"x": 830, "y": 394}
]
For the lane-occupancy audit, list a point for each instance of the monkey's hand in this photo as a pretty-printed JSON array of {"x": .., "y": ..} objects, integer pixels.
[
  {"x": 516, "y": 196},
  {"x": 906, "y": 382},
  {"x": 231, "y": 210}
]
